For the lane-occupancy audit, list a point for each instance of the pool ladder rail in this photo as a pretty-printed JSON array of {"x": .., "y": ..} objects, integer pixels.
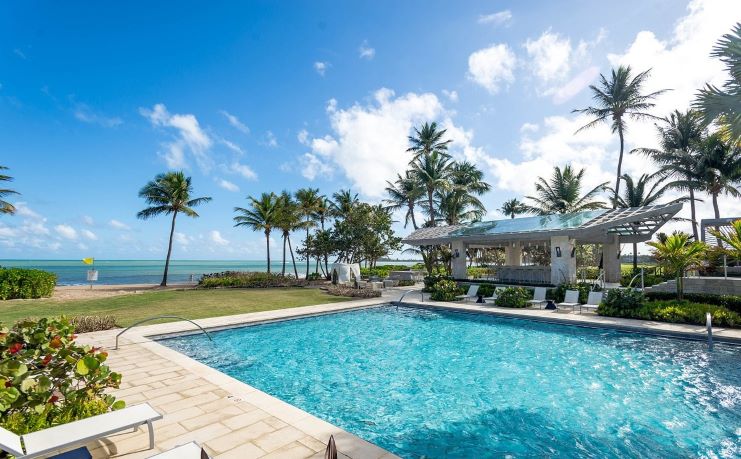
[
  {"x": 709, "y": 327},
  {"x": 401, "y": 298},
  {"x": 149, "y": 319}
]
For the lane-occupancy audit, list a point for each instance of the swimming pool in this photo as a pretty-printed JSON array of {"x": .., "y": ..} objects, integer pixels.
[{"x": 429, "y": 383}]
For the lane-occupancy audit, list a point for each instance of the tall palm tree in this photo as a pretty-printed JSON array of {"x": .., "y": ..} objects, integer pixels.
[
  {"x": 308, "y": 200},
  {"x": 617, "y": 99},
  {"x": 677, "y": 157},
  {"x": 5, "y": 206},
  {"x": 404, "y": 192},
  {"x": 343, "y": 202},
  {"x": 677, "y": 254},
  {"x": 725, "y": 104},
  {"x": 261, "y": 216},
  {"x": 645, "y": 192},
  {"x": 426, "y": 140},
  {"x": 459, "y": 202},
  {"x": 433, "y": 173},
  {"x": 562, "y": 193},
  {"x": 719, "y": 167},
  {"x": 169, "y": 193},
  {"x": 513, "y": 207},
  {"x": 322, "y": 213},
  {"x": 289, "y": 219}
]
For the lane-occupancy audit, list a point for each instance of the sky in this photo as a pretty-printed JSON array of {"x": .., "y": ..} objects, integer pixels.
[{"x": 247, "y": 97}]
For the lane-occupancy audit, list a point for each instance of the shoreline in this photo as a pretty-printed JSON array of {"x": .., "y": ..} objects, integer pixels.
[{"x": 84, "y": 292}]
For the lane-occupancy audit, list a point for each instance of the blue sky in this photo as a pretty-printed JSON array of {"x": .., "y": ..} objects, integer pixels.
[{"x": 97, "y": 98}]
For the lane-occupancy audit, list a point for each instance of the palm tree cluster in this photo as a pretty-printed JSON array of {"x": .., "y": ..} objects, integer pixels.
[{"x": 5, "y": 206}]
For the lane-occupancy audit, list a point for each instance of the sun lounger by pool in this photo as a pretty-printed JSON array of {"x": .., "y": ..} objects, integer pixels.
[
  {"x": 571, "y": 300},
  {"x": 538, "y": 297},
  {"x": 595, "y": 298},
  {"x": 65, "y": 437},
  {"x": 472, "y": 293},
  {"x": 187, "y": 451}
]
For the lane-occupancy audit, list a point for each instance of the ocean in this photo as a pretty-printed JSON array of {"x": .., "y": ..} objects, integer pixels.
[{"x": 74, "y": 272}]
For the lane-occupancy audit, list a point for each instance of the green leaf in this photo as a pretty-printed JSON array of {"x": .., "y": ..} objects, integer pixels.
[
  {"x": 81, "y": 368},
  {"x": 119, "y": 404}
]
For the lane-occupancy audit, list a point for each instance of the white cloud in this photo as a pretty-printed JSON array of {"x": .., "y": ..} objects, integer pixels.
[
  {"x": 551, "y": 56},
  {"x": 303, "y": 137},
  {"x": 115, "y": 224},
  {"x": 216, "y": 237},
  {"x": 66, "y": 231},
  {"x": 492, "y": 67},
  {"x": 574, "y": 86},
  {"x": 227, "y": 185},
  {"x": 86, "y": 114},
  {"x": 313, "y": 166},
  {"x": 233, "y": 147},
  {"x": 181, "y": 238},
  {"x": 188, "y": 134},
  {"x": 451, "y": 95},
  {"x": 365, "y": 51},
  {"x": 321, "y": 67},
  {"x": 270, "y": 139},
  {"x": 498, "y": 18},
  {"x": 235, "y": 122},
  {"x": 88, "y": 220},
  {"x": 243, "y": 170},
  {"x": 87, "y": 234}
]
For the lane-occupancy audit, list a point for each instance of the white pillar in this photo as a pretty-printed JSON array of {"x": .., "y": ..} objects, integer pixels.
[
  {"x": 611, "y": 259},
  {"x": 563, "y": 267},
  {"x": 459, "y": 262},
  {"x": 513, "y": 254}
]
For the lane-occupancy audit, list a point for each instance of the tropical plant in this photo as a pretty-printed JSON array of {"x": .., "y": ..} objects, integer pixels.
[
  {"x": 513, "y": 297},
  {"x": 617, "y": 99},
  {"x": 18, "y": 283},
  {"x": 289, "y": 219},
  {"x": 404, "y": 192},
  {"x": 459, "y": 202},
  {"x": 719, "y": 168},
  {"x": 426, "y": 140},
  {"x": 724, "y": 104},
  {"x": 445, "y": 290},
  {"x": 169, "y": 193},
  {"x": 308, "y": 200},
  {"x": 513, "y": 207},
  {"x": 433, "y": 172},
  {"x": 261, "y": 216},
  {"x": 562, "y": 193},
  {"x": 5, "y": 206},
  {"x": 677, "y": 254},
  {"x": 730, "y": 238},
  {"x": 677, "y": 158},
  {"x": 342, "y": 203}
]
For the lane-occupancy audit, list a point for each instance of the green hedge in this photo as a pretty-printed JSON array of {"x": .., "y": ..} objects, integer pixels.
[
  {"x": 513, "y": 297},
  {"x": 26, "y": 283},
  {"x": 730, "y": 302},
  {"x": 445, "y": 290},
  {"x": 239, "y": 279}
]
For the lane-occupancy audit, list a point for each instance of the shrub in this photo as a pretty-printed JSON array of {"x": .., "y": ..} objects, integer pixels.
[
  {"x": 241, "y": 279},
  {"x": 406, "y": 283},
  {"x": 621, "y": 303},
  {"x": 445, "y": 290},
  {"x": 731, "y": 302},
  {"x": 26, "y": 283},
  {"x": 513, "y": 297},
  {"x": 430, "y": 281},
  {"x": 47, "y": 379},
  {"x": 382, "y": 270},
  {"x": 344, "y": 290},
  {"x": 85, "y": 324},
  {"x": 315, "y": 277},
  {"x": 477, "y": 271}
]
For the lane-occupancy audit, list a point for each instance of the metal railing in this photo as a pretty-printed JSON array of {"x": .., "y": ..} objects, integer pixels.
[
  {"x": 149, "y": 319},
  {"x": 398, "y": 302},
  {"x": 709, "y": 327},
  {"x": 641, "y": 275}
]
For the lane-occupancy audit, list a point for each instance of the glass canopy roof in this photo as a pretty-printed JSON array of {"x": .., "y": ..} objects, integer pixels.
[{"x": 529, "y": 224}]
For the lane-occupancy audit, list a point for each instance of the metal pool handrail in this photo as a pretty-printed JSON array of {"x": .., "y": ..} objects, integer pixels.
[
  {"x": 709, "y": 327},
  {"x": 422, "y": 293},
  {"x": 148, "y": 319}
]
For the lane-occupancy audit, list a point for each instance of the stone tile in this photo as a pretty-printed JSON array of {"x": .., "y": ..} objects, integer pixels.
[
  {"x": 245, "y": 419},
  {"x": 312, "y": 443},
  {"x": 201, "y": 436},
  {"x": 291, "y": 451},
  {"x": 244, "y": 451},
  {"x": 280, "y": 438},
  {"x": 245, "y": 434}
]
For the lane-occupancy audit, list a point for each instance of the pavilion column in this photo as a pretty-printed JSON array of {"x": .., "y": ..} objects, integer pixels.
[
  {"x": 563, "y": 265},
  {"x": 513, "y": 254},
  {"x": 459, "y": 262},
  {"x": 611, "y": 259}
]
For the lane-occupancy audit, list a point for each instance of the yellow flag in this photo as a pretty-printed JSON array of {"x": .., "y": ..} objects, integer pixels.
[{"x": 88, "y": 261}]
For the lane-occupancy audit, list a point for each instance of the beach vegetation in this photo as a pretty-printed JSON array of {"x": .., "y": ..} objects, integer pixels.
[
  {"x": 677, "y": 254},
  {"x": 262, "y": 215},
  {"x": 513, "y": 297},
  {"x": 561, "y": 193},
  {"x": 513, "y": 207},
  {"x": 18, "y": 283},
  {"x": 242, "y": 279},
  {"x": 5, "y": 206}
]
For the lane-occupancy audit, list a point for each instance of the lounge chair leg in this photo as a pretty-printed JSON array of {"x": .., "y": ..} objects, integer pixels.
[{"x": 151, "y": 434}]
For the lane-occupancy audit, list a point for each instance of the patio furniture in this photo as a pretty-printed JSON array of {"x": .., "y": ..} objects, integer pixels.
[
  {"x": 571, "y": 300},
  {"x": 595, "y": 298},
  {"x": 187, "y": 451},
  {"x": 65, "y": 437},
  {"x": 538, "y": 297},
  {"x": 472, "y": 293},
  {"x": 491, "y": 298}
]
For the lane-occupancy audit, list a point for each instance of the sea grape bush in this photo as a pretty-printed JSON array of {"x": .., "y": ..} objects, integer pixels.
[
  {"x": 241, "y": 279},
  {"x": 18, "y": 283},
  {"x": 47, "y": 379}
]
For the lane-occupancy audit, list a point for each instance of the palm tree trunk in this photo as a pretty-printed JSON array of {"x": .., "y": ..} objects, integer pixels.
[
  {"x": 430, "y": 202},
  {"x": 307, "y": 257},
  {"x": 169, "y": 250},
  {"x": 693, "y": 215},
  {"x": 293, "y": 260},
  {"x": 267, "y": 246},
  {"x": 620, "y": 165},
  {"x": 283, "y": 270},
  {"x": 715, "y": 205},
  {"x": 411, "y": 211}
]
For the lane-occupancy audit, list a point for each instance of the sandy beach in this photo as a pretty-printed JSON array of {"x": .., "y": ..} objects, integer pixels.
[{"x": 82, "y": 292}]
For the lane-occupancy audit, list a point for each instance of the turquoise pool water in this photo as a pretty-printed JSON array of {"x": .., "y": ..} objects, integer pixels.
[{"x": 434, "y": 384}]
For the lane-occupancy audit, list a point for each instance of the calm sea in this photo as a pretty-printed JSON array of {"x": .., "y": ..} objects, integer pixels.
[{"x": 74, "y": 272}]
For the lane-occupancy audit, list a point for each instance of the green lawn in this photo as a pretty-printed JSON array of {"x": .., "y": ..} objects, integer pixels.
[{"x": 190, "y": 304}]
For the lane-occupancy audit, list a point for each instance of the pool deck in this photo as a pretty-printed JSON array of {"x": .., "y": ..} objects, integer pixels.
[{"x": 234, "y": 420}]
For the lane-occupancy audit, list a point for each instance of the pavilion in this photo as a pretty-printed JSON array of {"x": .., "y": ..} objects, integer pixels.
[{"x": 558, "y": 232}]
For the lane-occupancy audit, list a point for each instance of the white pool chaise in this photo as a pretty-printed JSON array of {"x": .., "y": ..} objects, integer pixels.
[
  {"x": 65, "y": 437},
  {"x": 595, "y": 298},
  {"x": 538, "y": 297},
  {"x": 187, "y": 451},
  {"x": 571, "y": 300},
  {"x": 473, "y": 291}
]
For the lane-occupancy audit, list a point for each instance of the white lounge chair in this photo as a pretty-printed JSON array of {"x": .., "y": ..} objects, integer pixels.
[
  {"x": 538, "y": 297},
  {"x": 65, "y": 437},
  {"x": 473, "y": 291},
  {"x": 187, "y": 451},
  {"x": 571, "y": 300},
  {"x": 595, "y": 298},
  {"x": 491, "y": 298}
]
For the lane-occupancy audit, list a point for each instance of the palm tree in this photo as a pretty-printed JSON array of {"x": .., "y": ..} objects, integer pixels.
[
  {"x": 426, "y": 140},
  {"x": 562, "y": 194},
  {"x": 723, "y": 104},
  {"x": 732, "y": 238},
  {"x": 459, "y": 202},
  {"x": 513, "y": 207},
  {"x": 167, "y": 194},
  {"x": 404, "y": 192},
  {"x": 432, "y": 171},
  {"x": 643, "y": 193},
  {"x": 289, "y": 219},
  {"x": 262, "y": 216},
  {"x": 615, "y": 100},
  {"x": 719, "y": 168},
  {"x": 343, "y": 202},
  {"x": 677, "y": 157},
  {"x": 5, "y": 206},
  {"x": 308, "y": 200},
  {"x": 322, "y": 213},
  {"x": 677, "y": 254}
]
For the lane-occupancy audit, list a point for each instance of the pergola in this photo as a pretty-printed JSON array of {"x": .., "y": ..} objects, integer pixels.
[{"x": 560, "y": 232}]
